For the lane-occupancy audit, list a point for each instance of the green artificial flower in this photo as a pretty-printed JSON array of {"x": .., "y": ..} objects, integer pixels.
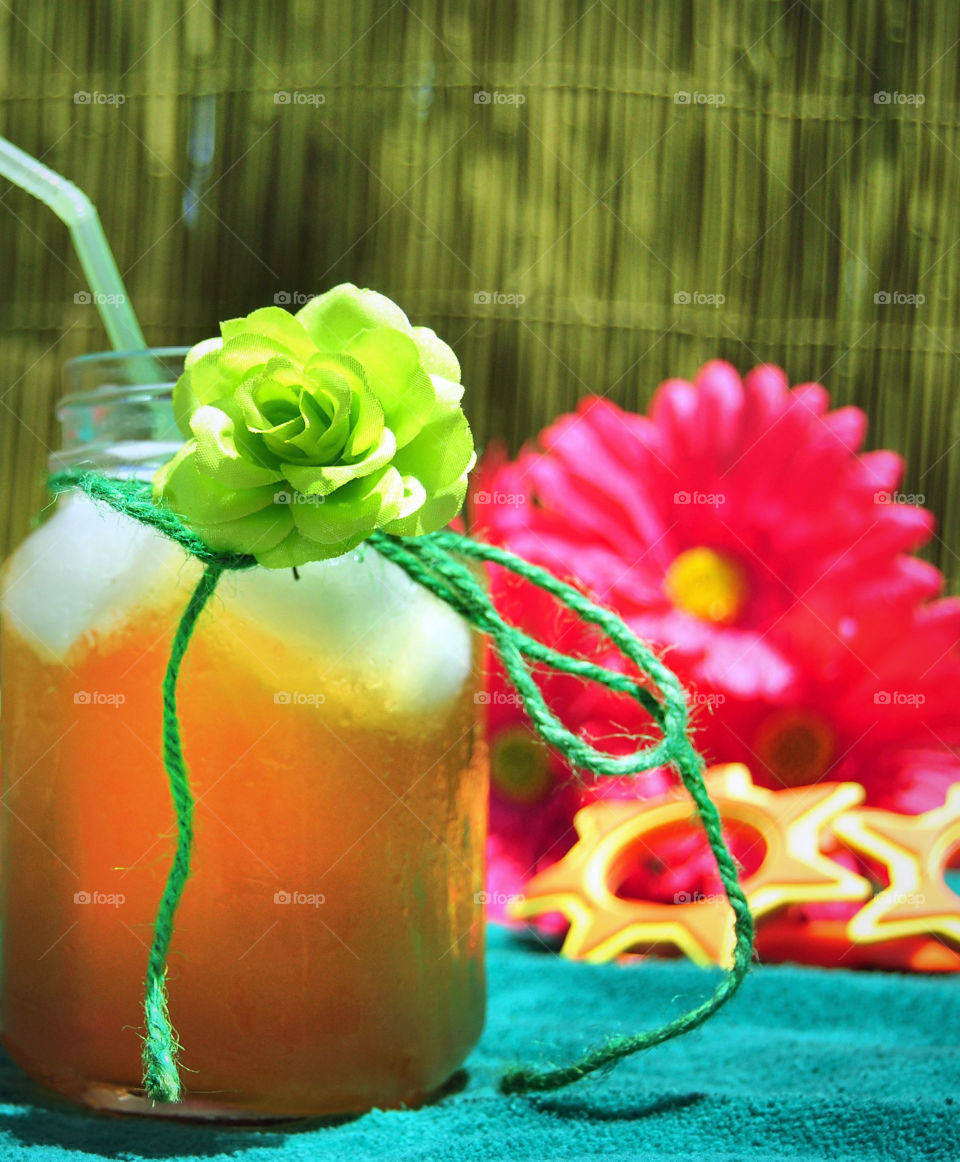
[{"x": 307, "y": 432}]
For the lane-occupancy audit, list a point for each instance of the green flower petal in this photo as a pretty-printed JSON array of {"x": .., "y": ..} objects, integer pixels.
[
  {"x": 367, "y": 424},
  {"x": 336, "y": 363},
  {"x": 276, "y": 326},
  {"x": 202, "y": 500},
  {"x": 437, "y": 358},
  {"x": 330, "y": 390},
  {"x": 200, "y": 351},
  {"x": 253, "y": 534},
  {"x": 440, "y": 453},
  {"x": 391, "y": 362},
  {"x": 448, "y": 393},
  {"x": 316, "y": 480},
  {"x": 200, "y": 383},
  {"x": 436, "y": 513},
  {"x": 356, "y": 509},
  {"x": 296, "y": 549},
  {"x": 333, "y": 319},
  {"x": 414, "y": 497},
  {"x": 269, "y": 397},
  {"x": 224, "y": 451},
  {"x": 323, "y": 436}
]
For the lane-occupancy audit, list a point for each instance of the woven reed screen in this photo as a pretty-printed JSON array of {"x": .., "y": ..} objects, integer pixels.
[{"x": 629, "y": 153}]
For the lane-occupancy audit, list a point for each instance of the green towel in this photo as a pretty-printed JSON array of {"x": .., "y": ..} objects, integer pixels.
[{"x": 803, "y": 1064}]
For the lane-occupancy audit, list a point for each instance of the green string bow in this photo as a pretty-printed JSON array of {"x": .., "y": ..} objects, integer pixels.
[{"x": 435, "y": 561}]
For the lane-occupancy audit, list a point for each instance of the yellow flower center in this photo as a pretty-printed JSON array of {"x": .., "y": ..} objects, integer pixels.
[
  {"x": 520, "y": 766},
  {"x": 707, "y": 584},
  {"x": 796, "y": 746}
]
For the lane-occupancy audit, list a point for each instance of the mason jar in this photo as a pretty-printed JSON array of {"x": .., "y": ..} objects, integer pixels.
[{"x": 327, "y": 954}]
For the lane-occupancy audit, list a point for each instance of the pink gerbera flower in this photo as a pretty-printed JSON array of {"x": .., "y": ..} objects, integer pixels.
[
  {"x": 740, "y": 527},
  {"x": 736, "y": 506}
]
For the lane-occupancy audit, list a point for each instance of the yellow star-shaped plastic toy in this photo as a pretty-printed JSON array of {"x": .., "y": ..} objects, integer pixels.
[
  {"x": 915, "y": 849},
  {"x": 604, "y": 925}
]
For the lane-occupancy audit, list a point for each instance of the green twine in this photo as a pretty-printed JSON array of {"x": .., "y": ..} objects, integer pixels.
[
  {"x": 432, "y": 561},
  {"x": 161, "y": 1077},
  {"x": 134, "y": 498}
]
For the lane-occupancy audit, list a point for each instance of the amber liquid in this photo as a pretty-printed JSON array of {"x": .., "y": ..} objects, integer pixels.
[{"x": 328, "y": 950}]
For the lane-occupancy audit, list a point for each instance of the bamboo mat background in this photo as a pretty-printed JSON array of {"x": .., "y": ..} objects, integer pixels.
[{"x": 586, "y": 184}]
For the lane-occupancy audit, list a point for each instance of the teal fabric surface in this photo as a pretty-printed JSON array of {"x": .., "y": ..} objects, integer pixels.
[{"x": 803, "y": 1064}]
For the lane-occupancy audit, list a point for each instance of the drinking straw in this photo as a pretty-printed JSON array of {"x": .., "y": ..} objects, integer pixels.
[{"x": 78, "y": 213}]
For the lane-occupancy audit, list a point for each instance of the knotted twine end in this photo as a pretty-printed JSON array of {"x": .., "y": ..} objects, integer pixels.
[
  {"x": 161, "y": 1047},
  {"x": 433, "y": 562}
]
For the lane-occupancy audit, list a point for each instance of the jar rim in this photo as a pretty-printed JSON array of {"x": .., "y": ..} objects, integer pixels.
[
  {"x": 130, "y": 353},
  {"x": 103, "y": 374},
  {"x": 116, "y": 411}
]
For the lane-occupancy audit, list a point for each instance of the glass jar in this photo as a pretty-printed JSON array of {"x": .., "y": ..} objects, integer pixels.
[{"x": 327, "y": 955}]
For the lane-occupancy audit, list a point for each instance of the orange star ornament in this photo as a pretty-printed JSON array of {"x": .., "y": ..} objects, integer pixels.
[
  {"x": 915, "y": 850},
  {"x": 583, "y": 885}
]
